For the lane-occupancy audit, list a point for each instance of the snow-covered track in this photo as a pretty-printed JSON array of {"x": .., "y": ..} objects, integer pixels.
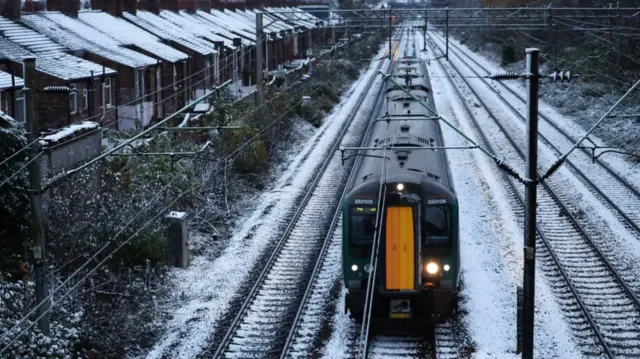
[
  {"x": 446, "y": 342},
  {"x": 262, "y": 323},
  {"x": 581, "y": 276},
  {"x": 401, "y": 346},
  {"x": 615, "y": 192}
]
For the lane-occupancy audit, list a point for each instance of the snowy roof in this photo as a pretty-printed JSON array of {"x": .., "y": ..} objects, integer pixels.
[
  {"x": 270, "y": 21},
  {"x": 192, "y": 24},
  {"x": 168, "y": 31},
  {"x": 235, "y": 26},
  {"x": 130, "y": 35},
  {"x": 57, "y": 64},
  {"x": 6, "y": 83},
  {"x": 76, "y": 35},
  {"x": 20, "y": 41}
]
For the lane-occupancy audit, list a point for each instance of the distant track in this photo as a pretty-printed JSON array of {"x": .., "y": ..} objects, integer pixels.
[
  {"x": 581, "y": 276},
  {"x": 261, "y": 327},
  {"x": 615, "y": 191}
]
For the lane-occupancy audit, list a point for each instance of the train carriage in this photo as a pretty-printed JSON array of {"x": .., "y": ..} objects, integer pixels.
[{"x": 416, "y": 207}]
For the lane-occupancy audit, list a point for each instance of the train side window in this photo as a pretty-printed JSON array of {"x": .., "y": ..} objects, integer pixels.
[{"x": 435, "y": 225}]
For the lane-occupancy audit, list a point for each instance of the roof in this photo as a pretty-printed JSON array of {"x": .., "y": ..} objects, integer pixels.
[
  {"x": 6, "y": 83},
  {"x": 75, "y": 35},
  {"x": 233, "y": 25},
  {"x": 194, "y": 25},
  {"x": 128, "y": 34},
  {"x": 57, "y": 64},
  {"x": 168, "y": 31}
]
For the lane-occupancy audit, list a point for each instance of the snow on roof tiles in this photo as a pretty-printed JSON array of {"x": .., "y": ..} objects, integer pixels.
[
  {"x": 193, "y": 25},
  {"x": 126, "y": 33},
  {"x": 212, "y": 27},
  {"x": 6, "y": 83},
  {"x": 57, "y": 64},
  {"x": 236, "y": 26},
  {"x": 76, "y": 35},
  {"x": 168, "y": 31}
]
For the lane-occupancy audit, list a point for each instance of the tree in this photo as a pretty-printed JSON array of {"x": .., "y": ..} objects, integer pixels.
[{"x": 14, "y": 202}]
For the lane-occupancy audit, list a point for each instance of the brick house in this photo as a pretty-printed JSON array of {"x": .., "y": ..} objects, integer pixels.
[
  {"x": 170, "y": 93},
  {"x": 203, "y": 64},
  {"x": 79, "y": 84},
  {"x": 133, "y": 104}
]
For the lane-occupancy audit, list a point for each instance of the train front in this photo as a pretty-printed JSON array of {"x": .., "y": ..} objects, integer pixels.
[{"x": 418, "y": 257}]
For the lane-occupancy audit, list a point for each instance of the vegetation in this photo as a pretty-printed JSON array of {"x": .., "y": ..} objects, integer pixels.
[{"x": 113, "y": 212}]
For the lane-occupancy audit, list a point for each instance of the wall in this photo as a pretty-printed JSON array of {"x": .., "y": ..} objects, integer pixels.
[{"x": 70, "y": 152}]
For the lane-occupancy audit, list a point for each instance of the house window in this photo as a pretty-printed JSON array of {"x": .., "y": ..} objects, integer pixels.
[
  {"x": 20, "y": 110},
  {"x": 85, "y": 97},
  {"x": 73, "y": 100},
  {"x": 107, "y": 91}
]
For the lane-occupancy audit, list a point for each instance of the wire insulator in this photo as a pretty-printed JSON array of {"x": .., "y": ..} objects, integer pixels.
[
  {"x": 509, "y": 170},
  {"x": 555, "y": 167},
  {"x": 506, "y": 76}
]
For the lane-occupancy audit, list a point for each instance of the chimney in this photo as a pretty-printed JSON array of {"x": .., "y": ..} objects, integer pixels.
[
  {"x": 11, "y": 9},
  {"x": 149, "y": 5},
  {"x": 32, "y": 6},
  {"x": 189, "y": 5},
  {"x": 67, "y": 7},
  {"x": 168, "y": 5},
  {"x": 113, "y": 7},
  {"x": 130, "y": 6},
  {"x": 204, "y": 5}
]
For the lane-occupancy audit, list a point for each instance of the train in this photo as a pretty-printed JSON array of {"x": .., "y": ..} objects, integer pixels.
[{"x": 404, "y": 187}]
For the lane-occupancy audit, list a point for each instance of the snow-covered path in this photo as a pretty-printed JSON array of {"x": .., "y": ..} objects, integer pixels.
[{"x": 209, "y": 285}]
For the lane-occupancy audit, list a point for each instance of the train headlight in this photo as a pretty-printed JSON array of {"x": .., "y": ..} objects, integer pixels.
[
  {"x": 400, "y": 186},
  {"x": 354, "y": 267},
  {"x": 367, "y": 268},
  {"x": 432, "y": 267},
  {"x": 446, "y": 267}
]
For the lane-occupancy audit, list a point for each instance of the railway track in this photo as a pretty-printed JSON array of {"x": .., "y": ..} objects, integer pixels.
[
  {"x": 581, "y": 276},
  {"x": 261, "y": 326},
  {"x": 441, "y": 343},
  {"x": 614, "y": 191}
]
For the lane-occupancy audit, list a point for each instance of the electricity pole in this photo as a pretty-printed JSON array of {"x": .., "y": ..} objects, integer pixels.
[
  {"x": 446, "y": 53},
  {"x": 390, "y": 34},
  {"x": 424, "y": 31},
  {"x": 259, "y": 69},
  {"x": 36, "y": 232},
  {"x": 530, "y": 205},
  {"x": 549, "y": 33}
]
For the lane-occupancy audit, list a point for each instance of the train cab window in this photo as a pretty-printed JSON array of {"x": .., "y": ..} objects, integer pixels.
[
  {"x": 363, "y": 224},
  {"x": 435, "y": 225}
]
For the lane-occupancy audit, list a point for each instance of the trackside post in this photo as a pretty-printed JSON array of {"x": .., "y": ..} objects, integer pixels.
[
  {"x": 36, "y": 230},
  {"x": 530, "y": 206},
  {"x": 259, "y": 103}
]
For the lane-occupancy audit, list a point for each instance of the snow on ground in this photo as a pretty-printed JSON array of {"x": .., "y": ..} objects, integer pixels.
[
  {"x": 209, "y": 285},
  {"x": 572, "y": 125},
  {"x": 491, "y": 249}
]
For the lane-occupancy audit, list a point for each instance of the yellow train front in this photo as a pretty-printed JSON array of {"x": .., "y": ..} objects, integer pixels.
[{"x": 405, "y": 195}]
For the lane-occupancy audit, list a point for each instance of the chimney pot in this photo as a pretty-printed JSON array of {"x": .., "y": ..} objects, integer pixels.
[
  {"x": 11, "y": 9},
  {"x": 67, "y": 7}
]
